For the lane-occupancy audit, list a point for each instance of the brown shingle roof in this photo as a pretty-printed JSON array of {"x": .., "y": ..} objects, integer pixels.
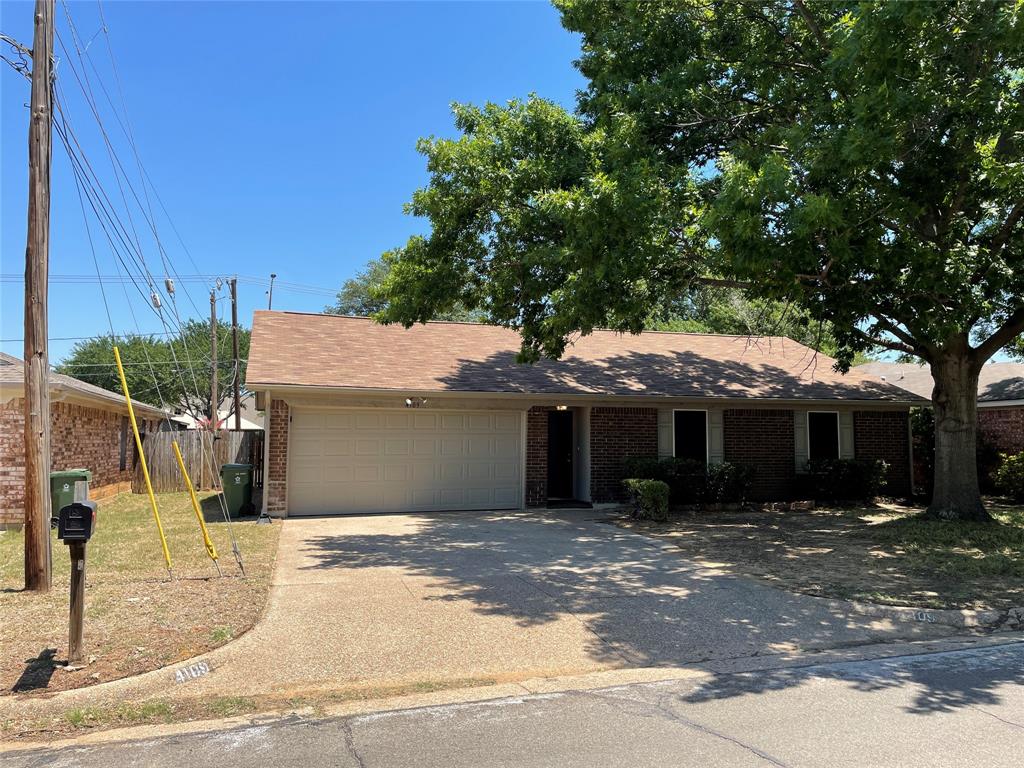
[
  {"x": 998, "y": 381},
  {"x": 12, "y": 374},
  {"x": 295, "y": 349}
]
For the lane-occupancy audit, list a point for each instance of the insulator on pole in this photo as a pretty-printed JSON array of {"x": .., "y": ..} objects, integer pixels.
[
  {"x": 169, "y": 285},
  {"x": 219, "y": 283},
  {"x": 156, "y": 299}
]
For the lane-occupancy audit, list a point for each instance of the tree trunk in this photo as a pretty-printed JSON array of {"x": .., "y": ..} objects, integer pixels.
[{"x": 956, "y": 495}]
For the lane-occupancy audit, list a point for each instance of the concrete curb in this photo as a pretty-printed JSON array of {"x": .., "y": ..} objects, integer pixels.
[{"x": 1008, "y": 619}]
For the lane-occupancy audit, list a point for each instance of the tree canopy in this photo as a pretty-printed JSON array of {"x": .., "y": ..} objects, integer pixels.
[{"x": 173, "y": 373}]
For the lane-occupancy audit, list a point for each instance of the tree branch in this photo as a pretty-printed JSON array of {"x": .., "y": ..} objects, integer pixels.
[
  {"x": 1013, "y": 327},
  {"x": 812, "y": 24},
  {"x": 895, "y": 346}
]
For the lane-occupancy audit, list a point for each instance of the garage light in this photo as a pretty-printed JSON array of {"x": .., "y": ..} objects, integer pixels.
[
  {"x": 415, "y": 402},
  {"x": 561, "y": 407}
]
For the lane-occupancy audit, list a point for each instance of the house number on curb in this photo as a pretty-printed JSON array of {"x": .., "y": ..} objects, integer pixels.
[
  {"x": 191, "y": 672},
  {"x": 924, "y": 616}
]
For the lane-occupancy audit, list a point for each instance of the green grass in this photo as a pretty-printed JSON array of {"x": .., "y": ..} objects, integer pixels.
[
  {"x": 136, "y": 618},
  {"x": 959, "y": 549}
]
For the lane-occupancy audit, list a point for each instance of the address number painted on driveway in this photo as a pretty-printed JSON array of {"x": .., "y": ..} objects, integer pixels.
[{"x": 191, "y": 672}]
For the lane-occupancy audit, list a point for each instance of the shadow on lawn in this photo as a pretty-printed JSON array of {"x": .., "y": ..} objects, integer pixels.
[
  {"x": 37, "y": 673},
  {"x": 643, "y": 606}
]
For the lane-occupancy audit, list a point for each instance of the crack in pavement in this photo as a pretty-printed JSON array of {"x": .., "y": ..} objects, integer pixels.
[
  {"x": 976, "y": 708},
  {"x": 350, "y": 741},
  {"x": 661, "y": 705}
]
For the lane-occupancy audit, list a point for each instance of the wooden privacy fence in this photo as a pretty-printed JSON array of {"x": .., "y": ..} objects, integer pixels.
[{"x": 229, "y": 447}]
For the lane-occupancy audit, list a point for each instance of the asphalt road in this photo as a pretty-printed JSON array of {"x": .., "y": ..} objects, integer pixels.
[{"x": 947, "y": 709}]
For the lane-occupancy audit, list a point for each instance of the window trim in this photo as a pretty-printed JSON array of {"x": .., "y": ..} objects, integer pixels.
[
  {"x": 707, "y": 431},
  {"x": 839, "y": 436}
]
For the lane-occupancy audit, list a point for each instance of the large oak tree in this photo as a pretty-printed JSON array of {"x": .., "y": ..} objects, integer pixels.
[{"x": 859, "y": 160}]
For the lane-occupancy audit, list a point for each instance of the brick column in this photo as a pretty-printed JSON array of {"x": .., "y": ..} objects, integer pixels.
[{"x": 276, "y": 481}]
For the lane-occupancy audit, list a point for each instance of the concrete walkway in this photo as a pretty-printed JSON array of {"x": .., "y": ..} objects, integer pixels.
[{"x": 400, "y": 600}]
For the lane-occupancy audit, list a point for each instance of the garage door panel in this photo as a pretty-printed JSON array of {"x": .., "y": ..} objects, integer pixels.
[{"x": 392, "y": 461}]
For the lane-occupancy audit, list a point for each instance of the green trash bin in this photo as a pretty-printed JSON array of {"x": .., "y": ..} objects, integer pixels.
[
  {"x": 62, "y": 487},
  {"x": 236, "y": 480}
]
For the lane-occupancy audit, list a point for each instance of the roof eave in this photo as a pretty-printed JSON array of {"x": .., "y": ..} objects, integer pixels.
[{"x": 448, "y": 393}]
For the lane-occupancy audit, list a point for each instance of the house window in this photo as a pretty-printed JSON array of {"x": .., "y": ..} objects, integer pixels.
[
  {"x": 690, "y": 435},
  {"x": 123, "y": 462},
  {"x": 822, "y": 435}
]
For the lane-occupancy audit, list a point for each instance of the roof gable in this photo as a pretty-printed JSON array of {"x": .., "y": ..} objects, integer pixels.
[{"x": 330, "y": 351}]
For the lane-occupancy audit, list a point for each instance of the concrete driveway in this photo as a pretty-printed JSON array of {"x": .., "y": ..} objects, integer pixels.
[
  {"x": 371, "y": 607},
  {"x": 399, "y": 599}
]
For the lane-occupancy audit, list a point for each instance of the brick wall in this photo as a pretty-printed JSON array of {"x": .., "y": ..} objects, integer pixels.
[
  {"x": 537, "y": 456},
  {"x": 1002, "y": 428},
  {"x": 276, "y": 482},
  {"x": 883, "y": 435},
  {"x": 616, "y": 433},
  {"x": 80, "y": 436},
  {"x": 764, "y": 439}
]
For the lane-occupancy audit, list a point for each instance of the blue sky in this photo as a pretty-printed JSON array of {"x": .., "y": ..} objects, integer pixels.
[{"x": 280, "y": 136}]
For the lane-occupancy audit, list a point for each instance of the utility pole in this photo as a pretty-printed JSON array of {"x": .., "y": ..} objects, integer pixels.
[
  {"x": 213, "y": 360},
  {"x": 233, "y": 282},
  {"x": 270, "y": 293},
  {"x": 38, "y": 575}
]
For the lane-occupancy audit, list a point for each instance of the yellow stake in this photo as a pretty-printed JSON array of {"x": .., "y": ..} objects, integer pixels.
[
  {"x": 210, "y": 549},
  {"x": 142, "y": 460}
]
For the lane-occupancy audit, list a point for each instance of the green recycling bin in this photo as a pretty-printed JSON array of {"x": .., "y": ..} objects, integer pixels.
[
  {"x": 62, "y": 487},
  {"x": 236, "y": 480}
]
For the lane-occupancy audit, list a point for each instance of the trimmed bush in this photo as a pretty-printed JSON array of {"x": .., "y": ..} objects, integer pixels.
[
  {"x": 693, "y": 482},
  {"x": 649, "y": 498},
  {"x": 846, "y": 479},
  {"x": 728, "y": 483},
  {"x": 1009, "y": 477}
]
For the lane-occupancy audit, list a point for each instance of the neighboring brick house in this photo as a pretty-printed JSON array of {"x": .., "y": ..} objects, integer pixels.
[
  {"x": 362, "y": 417},
  {"x": 1000, "y": 406},
  {"x": 88, "y": 429}
]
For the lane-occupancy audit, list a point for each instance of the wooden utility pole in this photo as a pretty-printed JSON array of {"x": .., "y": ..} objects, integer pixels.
[
  {"x": 213, "y": 360},
  {"x": 38, "y": 576},
  {"x": 233, "y": 282}
]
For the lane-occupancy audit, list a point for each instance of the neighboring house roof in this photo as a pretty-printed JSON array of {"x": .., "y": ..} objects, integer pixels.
[
  {"x": 12, "y": 377},
  {"x": 348, "y": 353},
  {"x": 226, "y": 417},
  {"x": 998, "y": 382}
]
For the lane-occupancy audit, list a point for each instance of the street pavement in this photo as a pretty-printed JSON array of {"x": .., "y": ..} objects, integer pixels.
[{"x": 956, "y": 708}]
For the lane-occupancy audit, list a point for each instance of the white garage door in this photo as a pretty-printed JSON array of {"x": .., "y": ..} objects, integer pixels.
[{"x": 374, "y": 460}]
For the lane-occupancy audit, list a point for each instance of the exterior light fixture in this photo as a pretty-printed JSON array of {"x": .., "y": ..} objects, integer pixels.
[
  {"x": 561, "y": 407},
  {"x": 415, "y": 402}
]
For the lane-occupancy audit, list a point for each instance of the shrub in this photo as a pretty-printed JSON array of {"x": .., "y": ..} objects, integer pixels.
[
  {"x": 727, "y": 482},
  {"x": 649, "y": 498},
  {"x": 846, "y": 479},
  {"x": 693, "y": 482},
  {"x": 1009, "y": 477}
]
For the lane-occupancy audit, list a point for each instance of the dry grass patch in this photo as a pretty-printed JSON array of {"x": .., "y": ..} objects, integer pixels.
[
  {"x": 884, "y": 553},
  {"x": 135, "y": 618}
]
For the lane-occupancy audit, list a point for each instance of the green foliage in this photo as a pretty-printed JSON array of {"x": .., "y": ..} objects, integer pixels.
[
  {"x": 1009, "y": 478},
  {"x": 693, "y": 482},
  {"x": 859, "y": 161},
  {"x": 649, "y": 498},
  {"x": 172, "y": 372},
  {"x": 846, "y": 479},
  {"x": 355, "y": 297},
  {"x": 361, "y": 296},
  {"x": 728, "y": 482}
]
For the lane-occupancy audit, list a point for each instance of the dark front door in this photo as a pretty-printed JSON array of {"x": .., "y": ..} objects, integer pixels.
[{"x": 560, "y": 455}]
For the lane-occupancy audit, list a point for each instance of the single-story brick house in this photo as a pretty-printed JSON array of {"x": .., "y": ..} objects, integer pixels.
[
  {"x": 363, "y": 418},
  {"x": 89, "y": 429},
  {"x": 1000, "y": 398}
]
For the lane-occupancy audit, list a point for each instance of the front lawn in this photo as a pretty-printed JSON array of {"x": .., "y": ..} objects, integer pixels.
[
  {"x": 881, "y": 554},
  {"x": 135, "y": 618}
]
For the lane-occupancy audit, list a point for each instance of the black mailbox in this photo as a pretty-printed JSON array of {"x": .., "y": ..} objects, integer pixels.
[{"x": 76, "y": 521}]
